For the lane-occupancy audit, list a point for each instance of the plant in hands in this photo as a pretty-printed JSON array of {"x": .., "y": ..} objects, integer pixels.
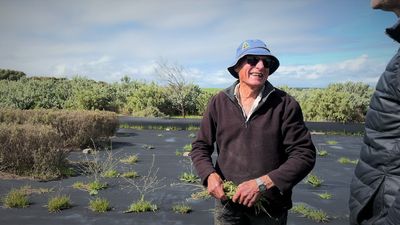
[{"x": 230, "y": 189}]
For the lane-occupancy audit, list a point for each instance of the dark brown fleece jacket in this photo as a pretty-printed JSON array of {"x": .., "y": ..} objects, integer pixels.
[{"x": 274, "y": 141}]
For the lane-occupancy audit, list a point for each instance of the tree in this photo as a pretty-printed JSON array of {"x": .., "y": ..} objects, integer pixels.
[
  {"x": 182, "y": 94},
  {"x": 11, "y": 74}
]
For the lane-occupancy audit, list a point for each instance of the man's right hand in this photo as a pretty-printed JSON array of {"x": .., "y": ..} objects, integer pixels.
[{"x": 215, "y": 186}]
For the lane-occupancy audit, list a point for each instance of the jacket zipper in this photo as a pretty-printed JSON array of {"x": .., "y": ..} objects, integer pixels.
[{"x": 246, "y": 122}]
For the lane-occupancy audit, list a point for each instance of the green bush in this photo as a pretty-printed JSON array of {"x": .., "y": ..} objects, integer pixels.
[{"x": 148, "y": 100}]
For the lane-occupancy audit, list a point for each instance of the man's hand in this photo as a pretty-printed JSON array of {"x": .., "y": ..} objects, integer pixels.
[
  {"x": 215, "y": 186},
  {"x": 247, "y": 193}
]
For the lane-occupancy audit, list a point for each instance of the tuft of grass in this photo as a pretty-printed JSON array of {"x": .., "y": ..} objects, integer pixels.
[
  {"x": 135, "y": 127},
  {"x": 325, "y": 195},
  {"x": 181, "y": 208},
  {"x": 313, "y": 214},
  {"x": 345, "y": 160},
  {"x": 322, "y": 153},
  {"x": 193, "y": 128},
  {"x": 192, "y": 135},
  {"x": 99, "y": 205},
  {"x": 142, "y": 206},
  {"x": 58, "y": 203},
  {"x": 203, "y": 194},
  {"x": 132, "y": 159},
  {"x": 189, "y": 178},
  {"x": 92, "y": 187},
  {"x": 111, "y": 173},
  {"x": 130, "y": 174},
  {"x": 314, "y": 180},
  {"x": 331, "y": 142},
  {"x": 16, "y": 198}
]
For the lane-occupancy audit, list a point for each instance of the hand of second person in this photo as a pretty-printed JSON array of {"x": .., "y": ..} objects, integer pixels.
[{"x": 247, "y": 193}]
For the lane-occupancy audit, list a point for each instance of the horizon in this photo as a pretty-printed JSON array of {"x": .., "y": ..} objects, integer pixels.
[{"x": 106, "y": 41}]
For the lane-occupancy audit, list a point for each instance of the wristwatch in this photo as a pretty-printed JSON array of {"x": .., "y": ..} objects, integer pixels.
[{"x": 261, "y": 186}]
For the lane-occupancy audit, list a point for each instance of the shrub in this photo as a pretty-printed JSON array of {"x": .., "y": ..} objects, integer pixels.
[
  {"x": 31, "y": 150},
  {"x": 75, "y": 128}
]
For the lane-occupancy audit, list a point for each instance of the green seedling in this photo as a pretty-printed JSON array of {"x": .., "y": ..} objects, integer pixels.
[
  {"x": 181, "y": 208},
  {"x": 99, "y": 205}
]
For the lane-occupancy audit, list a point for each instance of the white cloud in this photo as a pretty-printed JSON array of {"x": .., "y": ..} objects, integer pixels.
[{"x": 359, "y": 69}]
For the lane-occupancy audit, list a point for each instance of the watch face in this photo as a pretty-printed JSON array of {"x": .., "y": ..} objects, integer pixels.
[{"x": 262, "y": 187}]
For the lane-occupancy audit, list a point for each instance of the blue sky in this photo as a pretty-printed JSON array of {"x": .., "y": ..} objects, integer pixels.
[{"x": 317, "y": 41}]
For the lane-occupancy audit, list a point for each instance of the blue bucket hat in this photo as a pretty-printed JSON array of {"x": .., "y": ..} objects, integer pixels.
[{"x": 253, "y": 47}]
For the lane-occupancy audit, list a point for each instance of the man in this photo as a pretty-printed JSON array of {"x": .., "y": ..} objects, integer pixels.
[
  {"x": 375, "y": 187},
  {"x": 262, "y": 142}
]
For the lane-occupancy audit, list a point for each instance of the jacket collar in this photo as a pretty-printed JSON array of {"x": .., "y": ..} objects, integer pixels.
[
  {"x": 230, "y": 91},
  {"x": 394, "y": 31}
]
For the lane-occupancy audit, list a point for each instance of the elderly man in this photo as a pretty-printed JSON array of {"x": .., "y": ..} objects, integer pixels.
[
  {"x": 374, "y": 189},
  {"x": 262, "y": 142}
]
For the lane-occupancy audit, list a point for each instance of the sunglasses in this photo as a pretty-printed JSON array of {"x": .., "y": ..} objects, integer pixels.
[{"x": 252, "y": 60}]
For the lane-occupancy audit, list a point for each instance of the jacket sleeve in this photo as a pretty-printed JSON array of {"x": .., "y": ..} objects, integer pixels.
[
  {"x": 298, "y": 146},
  {"x": 393, "y": 216},
  {"x": 203, "y": 146}
]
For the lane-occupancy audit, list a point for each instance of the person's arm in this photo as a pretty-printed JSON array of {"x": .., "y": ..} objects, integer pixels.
[{"x": 202, "y": 149}]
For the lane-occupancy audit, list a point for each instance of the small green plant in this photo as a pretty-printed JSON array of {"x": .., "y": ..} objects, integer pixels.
[
  {"x": 325, "y": 195},
  {"x": 322, "y": 153},
  {"x": 130, "y": 174},
  {"x": 142, "y": 206},
  {"x": 58, "y": 203},
  {"x": 189, "y": 178},
  {"x": 230, "y": 190},
  {"x": 181, "y": 208},
  {"x": 345, "y": 160},
  {"x": 203, "y": 194},
  {"x": 16, "y": 198},
  {"x": 331, "y": 142},
  {"x": 305, "y": 211},
  {"x": 187, "y": 148},
  {"x": 132, "y": 159},
  {"x": 110, "y": 173},
  {"x": 92, "y": 187},
  {"x": 146, "y": 184},
  {"x": 314, "y": 180},
  {"x": 99, "y": 205},
  {"x": 192, "y": 128},
  {"x": 79, "y": 185},
  {"x": 192, "y": 135}
]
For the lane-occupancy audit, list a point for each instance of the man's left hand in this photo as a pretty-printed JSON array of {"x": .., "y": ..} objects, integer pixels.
[{"x": 247, "y": 193}]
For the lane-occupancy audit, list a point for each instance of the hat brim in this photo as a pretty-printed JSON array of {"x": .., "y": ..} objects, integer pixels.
[{"x": 272, "y": 68}]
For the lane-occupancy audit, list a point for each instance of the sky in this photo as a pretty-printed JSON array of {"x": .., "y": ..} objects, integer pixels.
[{"x": 318, "y": 42}]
